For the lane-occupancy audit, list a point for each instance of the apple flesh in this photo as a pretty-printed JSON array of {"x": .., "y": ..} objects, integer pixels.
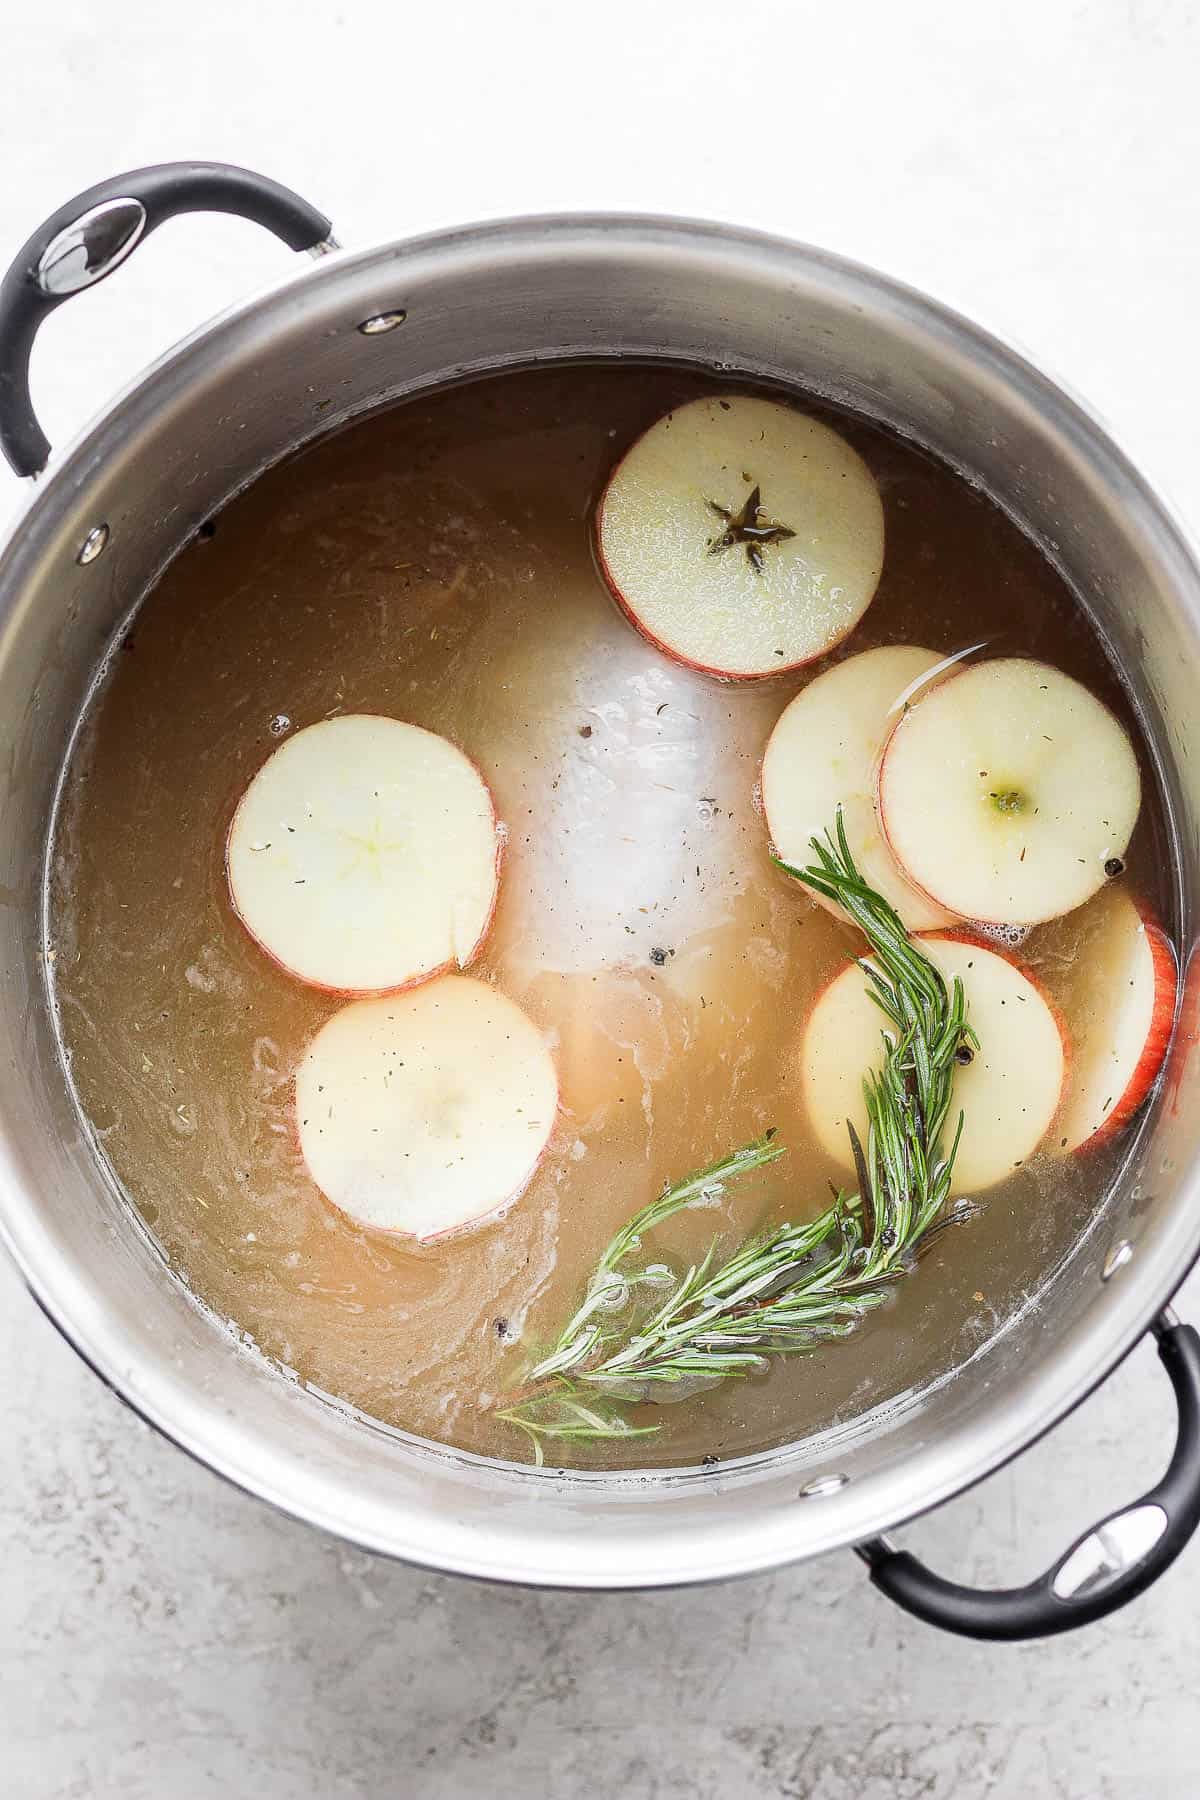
[
  {"x": 423, "y": 1112},
  {"x": 1008, "y": 1092},
  {"x": 363, "y": 857},
  {"x": 1007, "y": 792},
  {"x": 824, "y": 754},
  {"x": 741, "y": 536},
  {"x": 1120, "y": 1005}
]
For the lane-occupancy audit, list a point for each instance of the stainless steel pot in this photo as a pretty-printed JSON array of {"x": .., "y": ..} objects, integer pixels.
[{"x": 354, "y": 331}]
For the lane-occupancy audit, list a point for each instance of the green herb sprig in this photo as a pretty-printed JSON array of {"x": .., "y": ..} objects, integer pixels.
[{"x": 649, "y": 1334}]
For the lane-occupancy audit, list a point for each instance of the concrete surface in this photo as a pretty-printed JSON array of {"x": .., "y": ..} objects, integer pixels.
[{"x": 163, "y": 1638}]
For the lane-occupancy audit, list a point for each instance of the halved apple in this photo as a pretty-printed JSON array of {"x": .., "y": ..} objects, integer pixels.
[
  {"x": 1008, "y": 1092},
  {"x": 741, "y": 536},
  {"x": 824, "y": 754},
  {"x": 423, "y": 1112},
  {"x": 1007, "y": 793},
  {"x": 1119, "y": 999},
  {"x": 364, "y": 855}
]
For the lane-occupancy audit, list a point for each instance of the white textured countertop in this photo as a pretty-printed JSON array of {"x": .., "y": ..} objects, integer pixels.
[{"x": 164, "y": 1638}]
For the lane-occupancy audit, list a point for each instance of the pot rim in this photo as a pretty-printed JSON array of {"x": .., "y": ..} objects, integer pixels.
[{"x": 966, "y": 1452}]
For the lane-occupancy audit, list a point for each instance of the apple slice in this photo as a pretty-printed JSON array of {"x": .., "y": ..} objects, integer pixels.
[
  {"x": 824, "y": 753},
  {"x": 1008, "y": 1093},
  {"x": 1120, "y": 1003},
  {"x": 364, "y": 855},
  {"x": 423, "y": 1112},
  {"x": 740, "y": 536},
  {"x": 1008, "y": 793}
]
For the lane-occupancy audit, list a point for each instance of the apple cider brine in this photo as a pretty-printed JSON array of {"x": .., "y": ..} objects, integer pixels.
[{"x": 610, "y": 918}]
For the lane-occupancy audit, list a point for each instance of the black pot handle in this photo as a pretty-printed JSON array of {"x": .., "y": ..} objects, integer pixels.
[
  {"x": 91, "y": 235},
  {"x": 1109, "y": 1565}
]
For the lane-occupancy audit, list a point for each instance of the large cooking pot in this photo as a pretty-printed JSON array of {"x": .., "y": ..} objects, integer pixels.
[{"x": 354, "y": 331}]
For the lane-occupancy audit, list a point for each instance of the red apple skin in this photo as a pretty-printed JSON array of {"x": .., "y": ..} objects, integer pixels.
[
  {"x": 977, "y": 941},
  {"x": 489, "y": 1217},
  {"x": 1158, "y": 1038},
  {"x": 438, "y": 1237},
  {"x": 445, "y": 968},
  {"x": 666, "y": 650},
  {"x": 760, "y": 809},
  {"x": 443, "y": 1237},
  {"x": 881, "y": 815},
  {"x": 1187, "y": 1030}
]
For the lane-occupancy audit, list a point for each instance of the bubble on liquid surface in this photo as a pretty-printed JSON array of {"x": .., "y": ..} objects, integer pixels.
[
  {"x": 280, "y": 725},
  {"x": 613, "y": 1295},
  {"x": 659, "y": 1275},
  {"x": 1010, "y": 937}
]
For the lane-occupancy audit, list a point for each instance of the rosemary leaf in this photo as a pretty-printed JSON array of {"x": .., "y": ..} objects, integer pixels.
[{"x": 796, "y": 1287}]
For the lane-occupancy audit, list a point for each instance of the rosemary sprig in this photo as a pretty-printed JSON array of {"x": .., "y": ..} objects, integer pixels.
[{"x": 644, "y": 1334}]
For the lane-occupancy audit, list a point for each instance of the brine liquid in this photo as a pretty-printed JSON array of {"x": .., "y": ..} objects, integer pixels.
[{"x": 434, "y": 563}]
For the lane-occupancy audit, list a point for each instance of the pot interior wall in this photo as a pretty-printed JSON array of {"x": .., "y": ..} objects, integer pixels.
[{"x": 283, "y": 370}]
